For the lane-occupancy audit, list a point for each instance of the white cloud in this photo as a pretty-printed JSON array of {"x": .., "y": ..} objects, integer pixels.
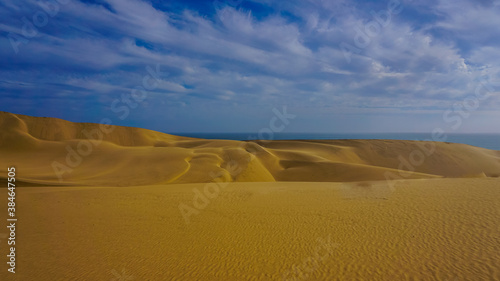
[{"x": 247, "y": 59}]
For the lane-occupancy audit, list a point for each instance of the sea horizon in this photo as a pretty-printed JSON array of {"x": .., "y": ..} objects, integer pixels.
[{"x": 484, "y": 140}]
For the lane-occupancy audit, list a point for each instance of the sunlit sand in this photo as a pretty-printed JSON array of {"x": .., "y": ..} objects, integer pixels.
[{"x": 142, "y": 205}]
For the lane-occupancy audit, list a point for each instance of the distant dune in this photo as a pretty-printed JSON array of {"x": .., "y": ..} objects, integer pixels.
[{"x": 57, "y": 152}]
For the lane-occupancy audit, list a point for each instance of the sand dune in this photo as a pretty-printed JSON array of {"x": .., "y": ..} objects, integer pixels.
[
  {"x": 54, "y": 151},
  {"x": 442, "y": 229}
]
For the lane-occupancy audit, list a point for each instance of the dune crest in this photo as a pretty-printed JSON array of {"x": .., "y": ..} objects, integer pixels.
[{"x": 54, "y": 151}]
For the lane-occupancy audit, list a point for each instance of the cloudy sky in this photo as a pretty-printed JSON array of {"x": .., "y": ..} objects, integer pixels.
[{"x": 223, "y": 66}]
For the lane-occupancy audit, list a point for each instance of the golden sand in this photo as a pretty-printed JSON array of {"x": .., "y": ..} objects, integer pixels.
[
  {"x": 142, "y": 205},
  {"x": 441, "y": 229}
]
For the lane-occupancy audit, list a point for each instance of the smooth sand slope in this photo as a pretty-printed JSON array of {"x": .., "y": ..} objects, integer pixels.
[
  {"x": 433, "y": 229},
  {"x": 54, "y": 151},
  {"x": 117, "y": 203}
]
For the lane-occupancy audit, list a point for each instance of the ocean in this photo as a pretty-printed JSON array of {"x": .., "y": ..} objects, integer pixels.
[{"x": 490, "y": 141}]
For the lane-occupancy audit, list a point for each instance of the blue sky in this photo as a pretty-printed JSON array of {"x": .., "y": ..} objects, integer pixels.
[{"x": 338, "y": 66}]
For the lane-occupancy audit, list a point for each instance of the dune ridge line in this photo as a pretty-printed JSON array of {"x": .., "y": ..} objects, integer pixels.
[{"x": 51, "y": 151}]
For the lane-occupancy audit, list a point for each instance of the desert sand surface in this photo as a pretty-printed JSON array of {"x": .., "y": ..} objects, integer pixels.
[
  {"x": 116, "y": 203},
  {"x": 431, "y": 229}
]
